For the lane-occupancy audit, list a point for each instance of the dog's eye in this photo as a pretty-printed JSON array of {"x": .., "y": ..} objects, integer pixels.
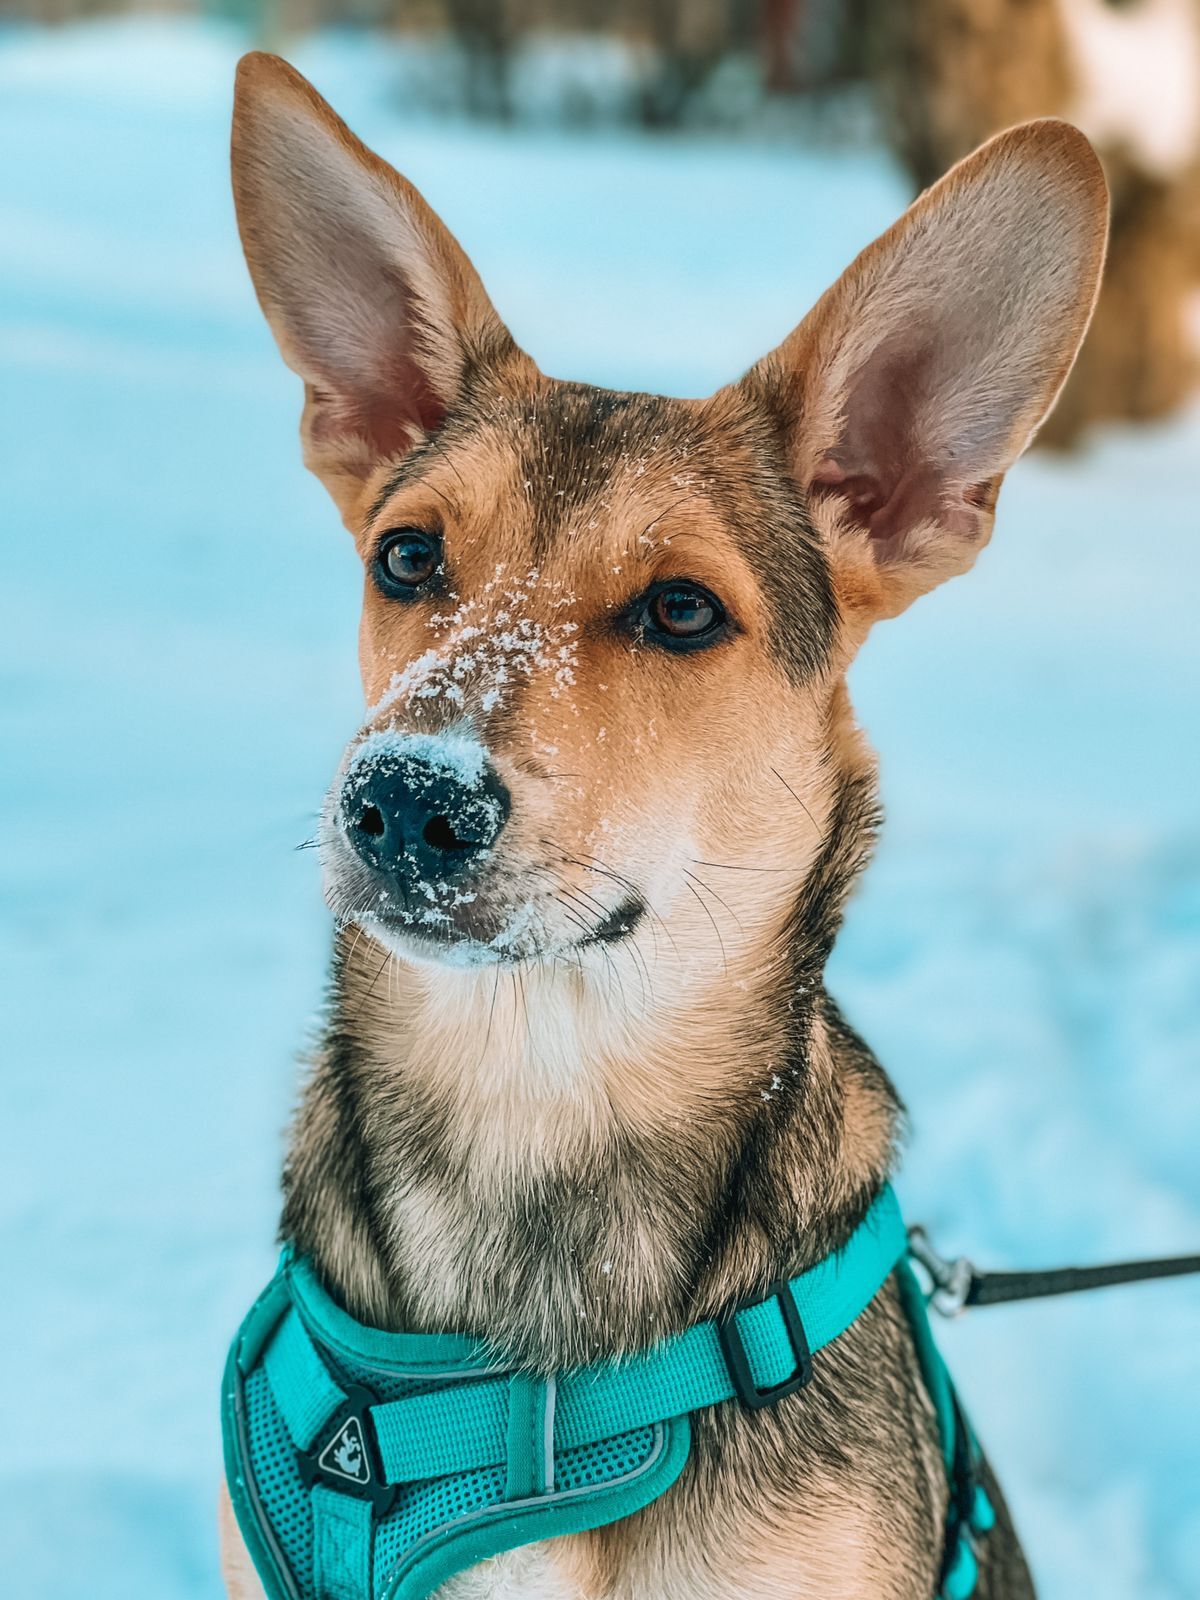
[
  {"x": 682, "y": 614},
  {"x": 406, "y": 558}
]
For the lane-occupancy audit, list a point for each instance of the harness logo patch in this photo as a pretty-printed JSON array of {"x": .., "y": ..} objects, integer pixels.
[{"x": 345, "y": 1456}]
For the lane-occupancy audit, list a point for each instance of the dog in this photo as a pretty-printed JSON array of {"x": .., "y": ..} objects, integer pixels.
[{"x": 581, "y": 1083}]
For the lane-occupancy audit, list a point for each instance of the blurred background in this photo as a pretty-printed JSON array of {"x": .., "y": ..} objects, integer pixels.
[{"x": 654, "y": 193}]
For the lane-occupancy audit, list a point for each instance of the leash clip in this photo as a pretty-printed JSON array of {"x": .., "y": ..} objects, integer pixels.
[{"x": 951, "y": 1279}]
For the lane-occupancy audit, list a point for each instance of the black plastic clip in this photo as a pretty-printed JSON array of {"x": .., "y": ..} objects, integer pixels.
[
  {"x": 346, "y": 1457},
  {"x": 734, "y": 1350}
]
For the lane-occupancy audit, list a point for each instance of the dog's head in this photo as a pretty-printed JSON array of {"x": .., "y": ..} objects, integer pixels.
[{"x": 604, "y": 636}]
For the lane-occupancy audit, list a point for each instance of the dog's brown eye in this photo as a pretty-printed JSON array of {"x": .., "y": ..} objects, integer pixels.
[
  {"x": 407, "y": 558},
  {"x": 683, "y": 614}
]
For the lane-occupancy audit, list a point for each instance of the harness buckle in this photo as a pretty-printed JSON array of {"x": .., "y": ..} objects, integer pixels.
[
  {"x": 346, "y": 1454},
  {"x": 733, "y": 1348}
]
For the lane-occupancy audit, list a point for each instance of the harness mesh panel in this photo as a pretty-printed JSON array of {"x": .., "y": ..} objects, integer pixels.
[
  {"x": 273, "y": 1462},
  {"x": 423, "y": 1508},
  {"x": 426, "y": 1506},
  {"x": 604, "y": 1461}
]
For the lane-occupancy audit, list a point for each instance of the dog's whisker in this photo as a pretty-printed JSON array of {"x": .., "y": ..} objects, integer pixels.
[
  {"x": 703, "y": 904},
  {"x": 729, "y": 866},
  {"x": 683, "y": 500},
  {"x": 600, "y": 907},
  {"x": 635, "y": 954},
  {"x": 591, "y": 863},
  {"x": 656, "y": 917},
  {"x": 354, "y": 942},
  {"x": 572, "y": 916},
  {"x": 708, "y": 889},
  {"x": 450, "y": 463},
  {"x": 444, "y": 498},
  {"x": 606, "y": 954},
  {"x": 616, "y": 974},
  {"x": 487, "y": 1034},
  {"x": 512, "y": 1032},
  {"x": 796, "y": 798},
  {"x": 387, "y": 956},
  {"x": 529, "y": 1036},
  {"x": 695, "y": 536}
]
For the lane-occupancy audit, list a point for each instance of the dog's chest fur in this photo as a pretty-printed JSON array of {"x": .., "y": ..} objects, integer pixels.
[
  {"x": 531, "y": 1573},
  {"x": 569, "y": 1217},
  {"x": 548, "y": 1572}
]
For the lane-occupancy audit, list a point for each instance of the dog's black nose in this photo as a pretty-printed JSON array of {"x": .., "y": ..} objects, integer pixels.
[{"x": 422, "y": 815}]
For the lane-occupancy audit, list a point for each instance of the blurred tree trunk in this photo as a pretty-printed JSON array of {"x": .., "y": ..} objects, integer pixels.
[
  {"x": 483, "y": 28},
  {"x": 813, "y": 46},
  {"x": 780, "y": 25},
  {"x": 690, "y": 39},
  {"x": 951, "y": 72}
]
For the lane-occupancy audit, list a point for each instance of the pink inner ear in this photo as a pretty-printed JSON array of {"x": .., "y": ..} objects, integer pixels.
[
  {"x": 363, "y": 348},
  {"x": 881, "y": 466},
  {"x": 391, "y": 419},
  {"x": 394, "y": 420},
  {"x": 920, "y": 495},
  {"x": 886, "y": 509},
  {"x": 390, "y": 431},
  {"x": 860, "y": 490}
]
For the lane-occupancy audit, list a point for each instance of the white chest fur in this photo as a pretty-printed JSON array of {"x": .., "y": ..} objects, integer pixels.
[{"x": 525, "y": 1574}]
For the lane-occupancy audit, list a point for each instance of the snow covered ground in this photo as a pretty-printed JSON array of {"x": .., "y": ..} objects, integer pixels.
[{"x": 177, "y": 666}]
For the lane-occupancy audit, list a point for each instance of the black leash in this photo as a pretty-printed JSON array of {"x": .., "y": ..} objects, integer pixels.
[{"x": 958, "y": 1284}]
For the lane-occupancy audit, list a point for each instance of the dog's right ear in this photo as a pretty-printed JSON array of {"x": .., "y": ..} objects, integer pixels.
[{"x": 371, "y": 300}]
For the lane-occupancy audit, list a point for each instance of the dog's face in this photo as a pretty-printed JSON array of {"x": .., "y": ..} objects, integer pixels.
[
  {"x": 591, "y": 627},
  {"x": 604, "y": 636}
]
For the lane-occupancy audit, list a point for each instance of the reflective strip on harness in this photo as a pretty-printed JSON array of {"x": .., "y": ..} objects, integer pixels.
[{"x": 532, "y": 1404}]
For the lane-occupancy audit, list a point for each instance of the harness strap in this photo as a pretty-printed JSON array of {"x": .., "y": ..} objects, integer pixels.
[
  {"x": 532, "y": 1407},
  {"x": 341, "y": 1546},
  {"x": 460, "y": 1429},
  {"x": 304, "y": 1391},
  {"x": 969, "y": 1513}
]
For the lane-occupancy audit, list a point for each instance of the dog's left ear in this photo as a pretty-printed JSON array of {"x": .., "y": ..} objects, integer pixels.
[
  {"x": 919, "y": 378},
  {"x": 370, "y": 298}
]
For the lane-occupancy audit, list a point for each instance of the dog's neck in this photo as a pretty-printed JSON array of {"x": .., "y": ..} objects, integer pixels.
[{"x": 574, "y": 1159}]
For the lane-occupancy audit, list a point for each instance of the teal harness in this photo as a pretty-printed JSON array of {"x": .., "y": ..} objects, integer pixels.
[{"x": 365, "y": 1465}]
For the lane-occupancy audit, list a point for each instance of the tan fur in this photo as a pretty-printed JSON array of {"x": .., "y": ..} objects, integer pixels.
[
  {"x": 730, "y": 786},
  {"x": 237, "y": 1570}
]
